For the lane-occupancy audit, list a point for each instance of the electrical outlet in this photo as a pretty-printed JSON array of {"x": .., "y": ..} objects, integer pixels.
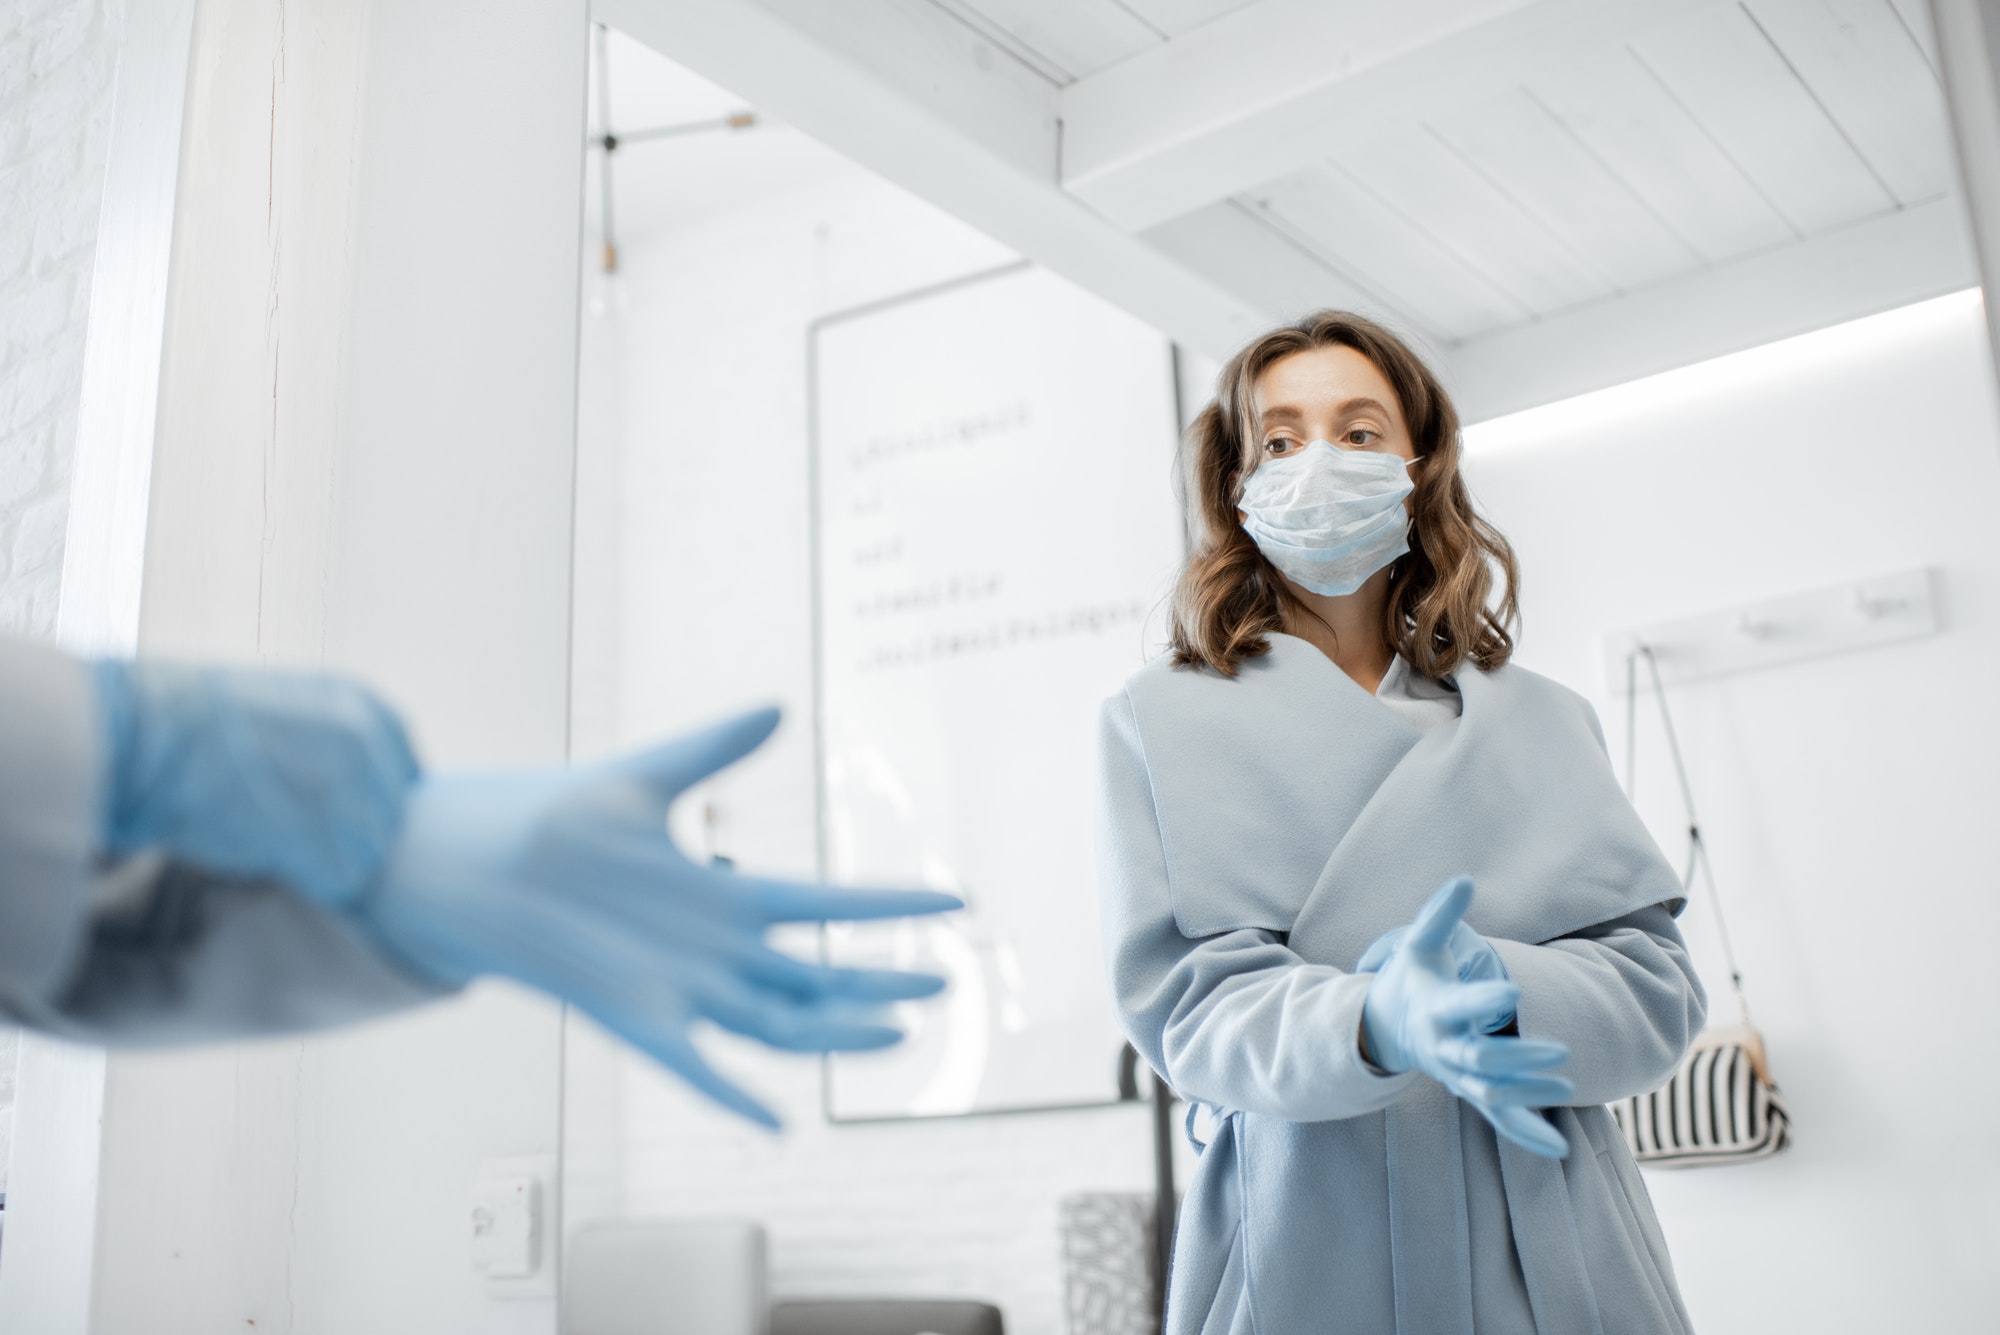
[{"x": 512, "y": 1226}]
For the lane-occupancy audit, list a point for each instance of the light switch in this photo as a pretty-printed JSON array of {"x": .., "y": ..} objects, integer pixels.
[{"x": 506, "y": 1225}]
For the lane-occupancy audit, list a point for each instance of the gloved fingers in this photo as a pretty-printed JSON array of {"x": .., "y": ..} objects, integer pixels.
[
  {"x": 712, "y": 922},
  {"x": 1484, "y": 1054},
  {"x": 1430, "y": 931},
  {"x": 791, "y": 1025},
  {"x": 774, "y": 968},
  {"x": 648, "y": 1007},
  {"x": 793, "y": 901},
  {"x": 634, "y": 867},
  {"x": 1478, "y": 962},
  {"x": 1526, "y": 1128},
  {"x": 1379, "y": 950},
  {"x": 1475, "y": 1007},
  {"x": 671, "y": 767},
  {"x": 637, "y": 865},
  {"x": 671, "y": 1047},
  {"x": 626, "y": 974},
  {"x": 1513, "y": 1091}
]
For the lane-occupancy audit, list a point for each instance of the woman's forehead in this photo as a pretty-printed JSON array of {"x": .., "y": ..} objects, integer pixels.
[{"x": 1318, "y": 380}]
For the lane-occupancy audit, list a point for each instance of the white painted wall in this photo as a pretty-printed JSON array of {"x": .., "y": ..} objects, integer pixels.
[{"x": 1848, "y": 801}]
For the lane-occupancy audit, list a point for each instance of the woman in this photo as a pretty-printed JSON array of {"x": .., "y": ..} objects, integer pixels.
[{"x": 1336, "y": 733}]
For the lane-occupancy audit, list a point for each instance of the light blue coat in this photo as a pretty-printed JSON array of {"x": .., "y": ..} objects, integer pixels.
[{"x": 1256, "y": 835}]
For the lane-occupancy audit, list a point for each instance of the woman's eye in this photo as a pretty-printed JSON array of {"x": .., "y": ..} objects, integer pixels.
[
  {"x": 1278, "y": 445},
  {"x": 1362, "y": 436}
]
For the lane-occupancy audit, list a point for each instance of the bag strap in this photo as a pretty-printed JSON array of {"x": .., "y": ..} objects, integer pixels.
[{"x": 1697, "y": 856}]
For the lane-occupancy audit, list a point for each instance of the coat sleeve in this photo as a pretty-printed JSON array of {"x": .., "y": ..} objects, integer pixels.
[
  {"x": 1623, "y": 995},
  {"x": 194, "y": 957},
  {"x": 49, "y": 770},
  {"x": 143, "y": 952},
  {"x": 1234, "y": 1020}
]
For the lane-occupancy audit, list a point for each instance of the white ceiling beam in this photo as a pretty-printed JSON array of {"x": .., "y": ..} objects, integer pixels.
[
  {"x": 906, "y": 91},
  {"x": 1233, "y": 245},
  {"x": 1272, "y": 87},
  {"x": 956, "y": 73},
  {"x": 1894, "y": 259}
]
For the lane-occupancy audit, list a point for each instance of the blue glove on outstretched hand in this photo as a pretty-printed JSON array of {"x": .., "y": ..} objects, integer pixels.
[
  {"x": 1419, "y": 1015},
  {"x": 288, "y": 776},
  {"x": 567, "y": 881}
]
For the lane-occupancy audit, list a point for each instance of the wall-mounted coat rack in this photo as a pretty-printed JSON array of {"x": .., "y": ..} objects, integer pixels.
[{"x": 1842, "y": 617}]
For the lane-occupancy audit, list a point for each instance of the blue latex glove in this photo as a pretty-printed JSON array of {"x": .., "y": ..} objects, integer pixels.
[
  {"x": 1472, "y": 955},
  {"x": 567, "y": 880},
  {"x": 290, "y": 776},
  {"x": 1420, "y": 1016}
]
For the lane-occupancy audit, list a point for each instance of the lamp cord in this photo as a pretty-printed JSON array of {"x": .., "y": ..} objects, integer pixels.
[{"x": 1697, "y": 855}]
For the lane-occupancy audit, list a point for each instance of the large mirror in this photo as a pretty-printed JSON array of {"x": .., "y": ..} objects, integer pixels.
[{"x": 865, "y": 403}]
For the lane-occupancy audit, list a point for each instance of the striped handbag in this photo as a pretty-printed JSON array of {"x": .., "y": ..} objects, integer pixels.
[{"x": 1721, "y": 1106}]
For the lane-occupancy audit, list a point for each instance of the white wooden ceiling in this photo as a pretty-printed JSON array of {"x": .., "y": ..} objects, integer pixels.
[{"x": 1552, "y": 195}]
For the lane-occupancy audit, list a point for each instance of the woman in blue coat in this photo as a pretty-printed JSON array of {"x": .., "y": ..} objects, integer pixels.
[{"x": 1403, "y": 1086}]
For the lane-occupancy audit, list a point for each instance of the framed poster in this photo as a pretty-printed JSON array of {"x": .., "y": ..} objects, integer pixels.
[{"x": 996, "y": 535}]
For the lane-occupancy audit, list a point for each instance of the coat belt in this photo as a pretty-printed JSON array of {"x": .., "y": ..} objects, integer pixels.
[
  {"x": 1559, "y": 1288},
  {"x": 1427, "y": 1200}
]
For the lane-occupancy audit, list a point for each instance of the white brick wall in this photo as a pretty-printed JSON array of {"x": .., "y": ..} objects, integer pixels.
[
  {"x": 58, "y": 59},
  {"x": 57, "y": 62}
]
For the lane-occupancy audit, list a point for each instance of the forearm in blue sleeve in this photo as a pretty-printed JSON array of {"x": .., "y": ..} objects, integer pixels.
[
  {"x": 1236, "y": 1020},
  {"x": 1623, "y": 995}
]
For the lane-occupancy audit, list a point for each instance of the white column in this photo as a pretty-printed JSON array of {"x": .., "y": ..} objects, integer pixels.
[
  {"x": 1968, "y": 47},
  {"x": 362, "y": 459}
]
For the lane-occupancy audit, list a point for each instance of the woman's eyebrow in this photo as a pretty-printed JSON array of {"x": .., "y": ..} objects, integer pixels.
[
  {"x": 1353, "y": 406},
  {"x": 1286, "y": 413}
]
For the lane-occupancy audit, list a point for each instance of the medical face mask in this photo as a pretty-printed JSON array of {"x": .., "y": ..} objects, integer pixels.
[{"x": 1327, "y": 517}]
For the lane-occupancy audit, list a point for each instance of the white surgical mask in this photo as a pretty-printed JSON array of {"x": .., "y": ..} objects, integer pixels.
[{"x": 1327, "y": 517}]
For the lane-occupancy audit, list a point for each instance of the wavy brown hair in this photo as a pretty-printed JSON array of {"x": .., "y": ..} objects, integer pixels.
[{"x": 1442, "y": 608}]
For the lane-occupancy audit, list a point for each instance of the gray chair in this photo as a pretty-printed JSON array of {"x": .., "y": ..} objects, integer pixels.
[{"x": 885, "y": 1316}]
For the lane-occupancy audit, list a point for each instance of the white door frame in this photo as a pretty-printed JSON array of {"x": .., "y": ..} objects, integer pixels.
[{"x": 1968, "y": 54}]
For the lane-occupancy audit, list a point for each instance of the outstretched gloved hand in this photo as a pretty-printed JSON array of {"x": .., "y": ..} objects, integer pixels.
[
  {"x": 567, "y": 880},
  {"x": 291, "y": 776},
  {"x": 1420, "y": 1015}
]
